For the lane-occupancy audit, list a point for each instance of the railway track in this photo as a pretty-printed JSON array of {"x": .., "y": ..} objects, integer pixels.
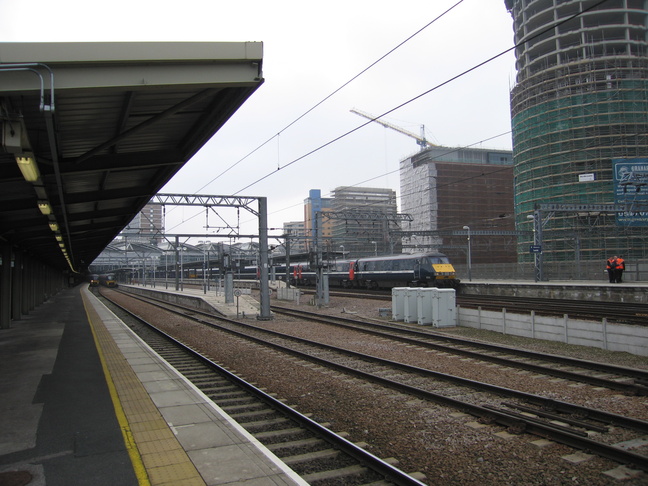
[
  {"x": 627, "y": 313},
  {"x": 479, "y": 399},
  {"x": 318, "y": 455},
  {"x": 627, "y": 380}
]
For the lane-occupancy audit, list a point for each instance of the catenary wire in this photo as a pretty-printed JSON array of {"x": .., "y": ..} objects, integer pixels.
[
  {"x": 332, "y": 94},
  {"x": 419, "y": 96},
  {"x": 593, "y": 6}
]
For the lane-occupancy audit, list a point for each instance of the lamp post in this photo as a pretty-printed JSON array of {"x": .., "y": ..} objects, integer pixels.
[
  {"x": 538, "y": 273},
  {"x": 166, "y": 268},
  {"x": 375, "y": 244},
  {"x": 181, "y": 268},
  {"x": 469, "y": 255},
  {"x": 204, "y": 243},
  {"x": 208, "y": 265}
]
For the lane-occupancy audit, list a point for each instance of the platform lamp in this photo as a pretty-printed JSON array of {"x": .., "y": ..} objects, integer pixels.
[
  {"x": 469, "y": 255},
  {"x": 27, "y": 165}
]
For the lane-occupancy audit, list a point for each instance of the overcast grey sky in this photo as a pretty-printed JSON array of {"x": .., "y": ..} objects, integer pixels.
[{"x": 310, "y": 50}]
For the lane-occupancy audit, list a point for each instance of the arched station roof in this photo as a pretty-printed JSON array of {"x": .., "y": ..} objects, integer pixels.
[{"x": 107, "y": 124}]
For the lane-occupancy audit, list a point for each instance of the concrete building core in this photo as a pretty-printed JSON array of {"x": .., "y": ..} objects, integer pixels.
[{"x": 578, "y": 110}]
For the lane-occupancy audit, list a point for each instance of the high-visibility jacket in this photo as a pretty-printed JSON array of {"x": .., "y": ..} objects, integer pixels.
[
  {"x": 611, "y": 263},
  {"x": 620, "y": 263}
]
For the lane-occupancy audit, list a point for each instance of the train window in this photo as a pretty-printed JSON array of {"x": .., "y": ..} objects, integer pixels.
[{"x": 439, "y": 259}]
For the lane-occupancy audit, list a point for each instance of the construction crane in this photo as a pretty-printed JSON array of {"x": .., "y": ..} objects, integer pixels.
[{"x": 420, "y": 139}]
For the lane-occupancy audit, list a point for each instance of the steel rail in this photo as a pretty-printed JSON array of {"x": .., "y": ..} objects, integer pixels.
[
  {"x": 564, "y": 407},
  {"x": 364, "y": 457},
  {"x": 390, "y": 330},
  {"x": 501, "y": 417}
]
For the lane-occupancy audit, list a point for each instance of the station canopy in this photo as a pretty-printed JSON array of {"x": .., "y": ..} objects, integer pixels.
[{"x": 91, "y": 131}]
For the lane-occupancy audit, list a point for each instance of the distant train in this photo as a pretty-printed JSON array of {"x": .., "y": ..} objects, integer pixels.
[
  {"x": 107, "y": 281},
  {"x": 405, "y": 270},
  {"x": 94, "y": 280}
]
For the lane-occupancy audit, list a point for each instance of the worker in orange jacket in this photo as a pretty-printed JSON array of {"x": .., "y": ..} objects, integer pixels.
[
  {"x": 611, "y": 268},
  {"x": 618, "y": 270}
]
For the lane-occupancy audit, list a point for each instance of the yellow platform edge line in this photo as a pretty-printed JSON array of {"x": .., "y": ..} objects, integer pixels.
[{"x": 124, "y": 425}]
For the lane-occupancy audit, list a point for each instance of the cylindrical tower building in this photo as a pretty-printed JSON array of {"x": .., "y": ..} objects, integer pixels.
[{"x": 579, "y": 109}]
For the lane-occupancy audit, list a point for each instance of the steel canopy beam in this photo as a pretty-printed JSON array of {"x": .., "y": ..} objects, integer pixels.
[{"x": 206, "y": 201}]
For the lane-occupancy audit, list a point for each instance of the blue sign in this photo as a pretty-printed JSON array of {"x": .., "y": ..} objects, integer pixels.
[
  {"x": 535, "y": 249},
  {"x": 630, "y": 187}
]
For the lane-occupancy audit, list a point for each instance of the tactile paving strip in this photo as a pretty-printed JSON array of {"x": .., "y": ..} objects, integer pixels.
[{"x": 157, "y": 456}]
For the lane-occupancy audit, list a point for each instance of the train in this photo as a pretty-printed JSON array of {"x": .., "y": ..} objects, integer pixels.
[
  {"x": 107, "y": 281},
  {"x": 379, "y": 272}
]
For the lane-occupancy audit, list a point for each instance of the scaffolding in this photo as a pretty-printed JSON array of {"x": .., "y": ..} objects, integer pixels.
[
  {"x": 579, "y": 105},
  {"x": 447, "y": 188},
  {"x": 365, "y": 216}
]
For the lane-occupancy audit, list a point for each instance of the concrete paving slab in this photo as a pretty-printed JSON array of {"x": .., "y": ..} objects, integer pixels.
[
  {"x": 623, "y": 473},
  {"x": 476, "y": 425},
  {"x": 578, "y": 457},
  {"x": 633, "y": 444},
  {"x": 541, "y": 443}
]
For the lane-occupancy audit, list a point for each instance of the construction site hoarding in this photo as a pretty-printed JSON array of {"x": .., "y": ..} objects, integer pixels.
[{"x": 631, "y": 187}]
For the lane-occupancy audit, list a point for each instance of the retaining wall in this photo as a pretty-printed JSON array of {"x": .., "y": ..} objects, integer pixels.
[{"x": 612, "y": 337}]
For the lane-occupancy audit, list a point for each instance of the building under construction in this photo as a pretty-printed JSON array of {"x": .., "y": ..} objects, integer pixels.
[
  {"x": 446, "y": 189},
  {"x": 366, "y": 215},
  {"x": 580, "y": 126},
  {"x": 355, "y": 221}
]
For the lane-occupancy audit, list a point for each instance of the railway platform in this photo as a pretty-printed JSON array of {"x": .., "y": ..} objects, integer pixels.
[
  {"x": 242, "y": 306},
  {"x": 635, "y": 292},
  {"x": 85, "y": 401}
]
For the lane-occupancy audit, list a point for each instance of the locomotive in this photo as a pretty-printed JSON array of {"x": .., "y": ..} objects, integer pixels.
[
  {"x": 406, "y": 270},
  {"x": 107, "y": 281}
]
